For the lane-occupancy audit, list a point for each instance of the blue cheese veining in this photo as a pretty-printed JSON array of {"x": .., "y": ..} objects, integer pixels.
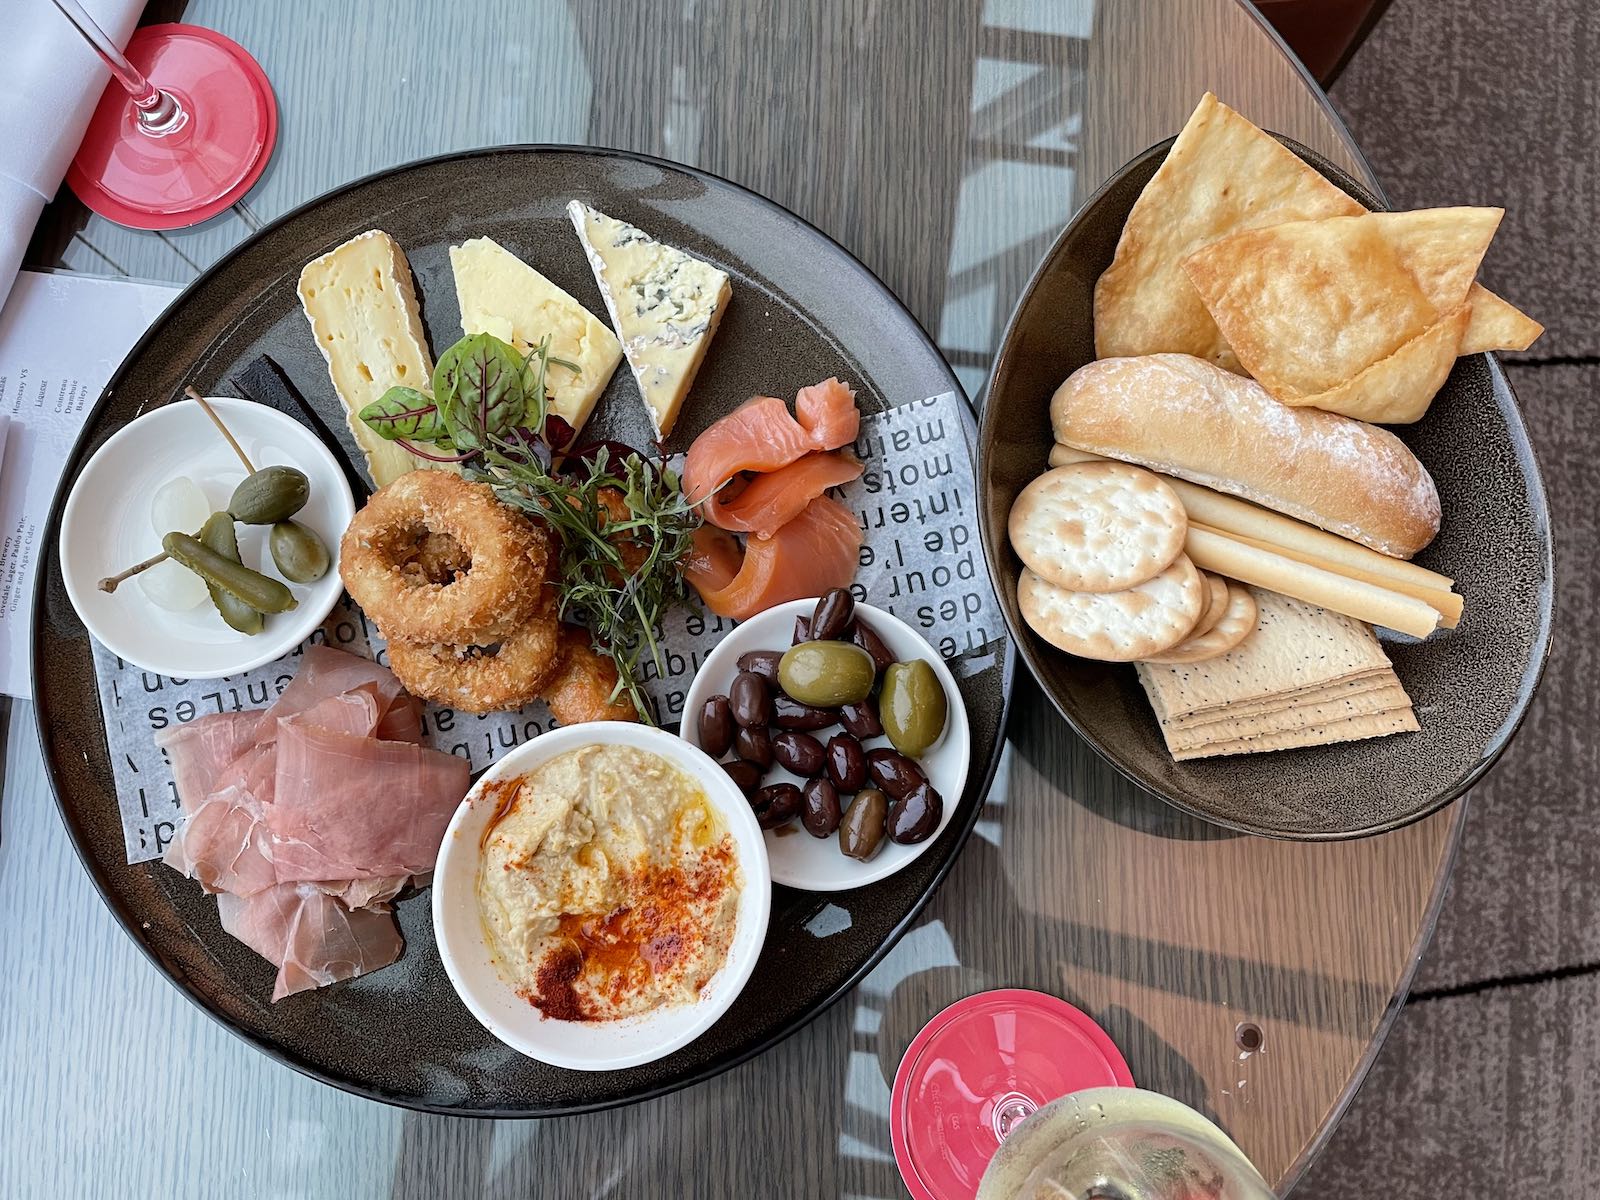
[{"x": 665, "y": 305}]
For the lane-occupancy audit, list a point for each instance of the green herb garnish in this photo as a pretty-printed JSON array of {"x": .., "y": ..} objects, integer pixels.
[{"x": 620, "y": 597}]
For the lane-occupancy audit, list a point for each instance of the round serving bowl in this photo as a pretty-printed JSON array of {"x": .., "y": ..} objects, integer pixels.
[
  {"x": 799, "y": 860},
  {"x": 1471, "y": 686},
  {"x": 105, "y": 526},
  {"x": 591, "y": 1045}
]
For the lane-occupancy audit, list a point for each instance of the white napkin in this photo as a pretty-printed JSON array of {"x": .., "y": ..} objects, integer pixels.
[{"x": 48, "y": 91}]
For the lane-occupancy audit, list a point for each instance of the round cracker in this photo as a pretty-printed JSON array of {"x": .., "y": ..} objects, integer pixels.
[
  {"x": 1238, "y": 623},
  {"x": 1115, "y": 626},
  {"x": 1098, "y": 527},
  {"x": 1216, "y": 603}
]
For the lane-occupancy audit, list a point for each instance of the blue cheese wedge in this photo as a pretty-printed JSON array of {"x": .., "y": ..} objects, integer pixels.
[
  {"x": 664, "y": 303},
  {"x": 362, "y": 306},
  {"x": 502, "y": 295}
]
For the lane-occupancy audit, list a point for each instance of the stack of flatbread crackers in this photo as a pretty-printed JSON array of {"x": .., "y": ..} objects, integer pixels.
[{"x": 1306, "y": 677}]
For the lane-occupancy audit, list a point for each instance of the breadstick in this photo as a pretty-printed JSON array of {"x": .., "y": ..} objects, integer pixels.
[
  {"x": 1240, "y": 517},
  {"x": 1449, "y": 604},
  {"x": 1217, "y": 552}
]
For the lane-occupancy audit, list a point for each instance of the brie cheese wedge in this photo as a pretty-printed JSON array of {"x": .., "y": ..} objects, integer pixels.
[
  {"x": 502, "y": 295},
  {"x": 664, "y": 303},
  {"x": 362, "y": 305}
]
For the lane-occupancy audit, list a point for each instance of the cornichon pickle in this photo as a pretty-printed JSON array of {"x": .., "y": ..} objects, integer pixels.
[
  {"x": 271, "y": 495},
  {"x": 298, "y": 552},
  {"x": 254, "y": 588},
  {"x": 218, "y": 533},
  {"x": 912, "y": 706},
  {"x": 826, "y": 673}
]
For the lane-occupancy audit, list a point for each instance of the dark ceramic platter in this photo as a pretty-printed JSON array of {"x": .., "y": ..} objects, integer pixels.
[
  {"x": 1471, "y": 685},
  {"x": 803, "y": 309}
]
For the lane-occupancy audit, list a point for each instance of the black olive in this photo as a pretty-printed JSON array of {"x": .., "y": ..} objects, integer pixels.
[
  {"x": 802, "y": 630},
  {"x": 750, "y": 700},
  {"x": 821, "y": 813},
  {"x": 754, "y": 745},
  {"x": 862, "y": 829},
  {"x": 763, "y": 663},
  {"x": 864, "y": 636},
  {"x": 776, "y": 804},
  {"x": 789, "y": 713},
  {"x": 915, "y": 816},
  {"x": 847, "y": 763},
  {"x": 716, "y": 726},
  {"x": 861, "y": 719},
  {"x": 893, "y": 771},
  {"x": 745, "y": 775},
  {"x": 830, "y": 620},
  {"x": 798, "y": 752}
]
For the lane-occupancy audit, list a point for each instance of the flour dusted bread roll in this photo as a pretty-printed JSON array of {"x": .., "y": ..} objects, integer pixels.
[{"x": 1180, "y": 415}]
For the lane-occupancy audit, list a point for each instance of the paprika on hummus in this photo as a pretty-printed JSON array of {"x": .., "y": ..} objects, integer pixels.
[{"x": 607, "y": 884}]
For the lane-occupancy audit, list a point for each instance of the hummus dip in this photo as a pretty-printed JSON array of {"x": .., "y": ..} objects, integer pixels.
[{"x": 607, "y": 884}]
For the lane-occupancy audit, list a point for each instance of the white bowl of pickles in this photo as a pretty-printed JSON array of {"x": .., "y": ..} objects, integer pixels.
[
  {"x": 173, "y": 471},
  {"x": 851, "y": 748}
]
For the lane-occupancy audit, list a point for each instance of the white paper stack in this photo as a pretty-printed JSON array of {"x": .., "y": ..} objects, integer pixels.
[{"x": 48, "y": 91}]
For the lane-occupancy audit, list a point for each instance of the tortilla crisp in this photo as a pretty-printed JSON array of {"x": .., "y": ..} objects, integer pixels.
[{"x": 1347, "y": 310}]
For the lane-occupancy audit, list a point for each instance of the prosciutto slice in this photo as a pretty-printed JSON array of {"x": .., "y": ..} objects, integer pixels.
[
  {"x": 326, "y": 672},
  {"x": 199, "y": 750},
  {"x": 308, "y": 817},
  {"x": 350, "y": 807},
  {"x": 309, "y": 936},
  {"x": 224, "y": 843}
]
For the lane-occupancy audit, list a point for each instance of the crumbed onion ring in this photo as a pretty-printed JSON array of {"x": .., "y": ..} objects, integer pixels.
[
  {"x": 506, "y": 555},
  {"x": 580, "y": 688},
  {"x": 499, "y": 677}
]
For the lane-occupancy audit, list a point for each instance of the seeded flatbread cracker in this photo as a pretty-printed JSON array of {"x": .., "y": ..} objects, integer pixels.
[
  {"x": 1352, "y": 730},
  {"x": 1391, "y": 697},
  {"x": 1344, "y": 689},
  {"x": 1098, "y": 527},
  {"x": 1238, "y": 623},
  {"x": 1295, "y": 646},
  {"x": 1115, "y": 626}
]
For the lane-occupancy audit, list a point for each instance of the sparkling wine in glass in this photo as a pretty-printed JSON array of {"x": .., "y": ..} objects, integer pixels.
[
  {"x": 183, "y": 130},
  {"x": 1119, "y": 1144}
]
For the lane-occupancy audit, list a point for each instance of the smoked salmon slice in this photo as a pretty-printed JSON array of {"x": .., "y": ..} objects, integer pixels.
[
  {"x": 772, "y": 500},
  {"x": 816, "y": 551},
  {"x": 761, "y": 435}
]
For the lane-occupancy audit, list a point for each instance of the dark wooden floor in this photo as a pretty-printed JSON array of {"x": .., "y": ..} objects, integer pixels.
[{"x": 1490, "y": 1083}]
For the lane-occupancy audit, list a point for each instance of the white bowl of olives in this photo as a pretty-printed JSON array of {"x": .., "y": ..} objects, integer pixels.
[{"x": 852, "y": 747}]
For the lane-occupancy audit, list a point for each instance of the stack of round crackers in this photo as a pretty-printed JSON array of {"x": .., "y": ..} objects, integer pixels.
[{"x": 1104, "y": 572}]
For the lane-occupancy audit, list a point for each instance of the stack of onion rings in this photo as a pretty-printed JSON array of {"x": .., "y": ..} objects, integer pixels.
[{"x": 459, "y": 585}]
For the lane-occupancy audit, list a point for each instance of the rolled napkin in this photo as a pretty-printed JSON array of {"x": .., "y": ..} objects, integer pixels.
[{"x": 48, "y": 92}]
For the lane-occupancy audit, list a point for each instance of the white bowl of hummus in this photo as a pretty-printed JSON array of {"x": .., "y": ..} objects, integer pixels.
[{"x": 601, "y": 896}]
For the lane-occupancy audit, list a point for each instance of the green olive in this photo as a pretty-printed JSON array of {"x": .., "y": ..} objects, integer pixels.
[
  {"x": 299, "y": 552},
  {"x": 254, "y": 588},
  {"x": 218, "y": 533},
  {"x": 825, "y": 674},
  {"x": 912, "y": 706},
  {"x": 271, "y": 495}
]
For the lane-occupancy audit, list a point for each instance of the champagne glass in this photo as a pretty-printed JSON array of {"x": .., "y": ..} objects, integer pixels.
[{"x": 183, "y": 130}]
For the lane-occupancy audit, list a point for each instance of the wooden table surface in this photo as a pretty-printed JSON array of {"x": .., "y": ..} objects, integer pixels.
[{"x": 946, "y": 151}]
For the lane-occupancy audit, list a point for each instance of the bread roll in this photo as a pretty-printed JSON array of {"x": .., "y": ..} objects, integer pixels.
[{"x": 1182, "y": 416}]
